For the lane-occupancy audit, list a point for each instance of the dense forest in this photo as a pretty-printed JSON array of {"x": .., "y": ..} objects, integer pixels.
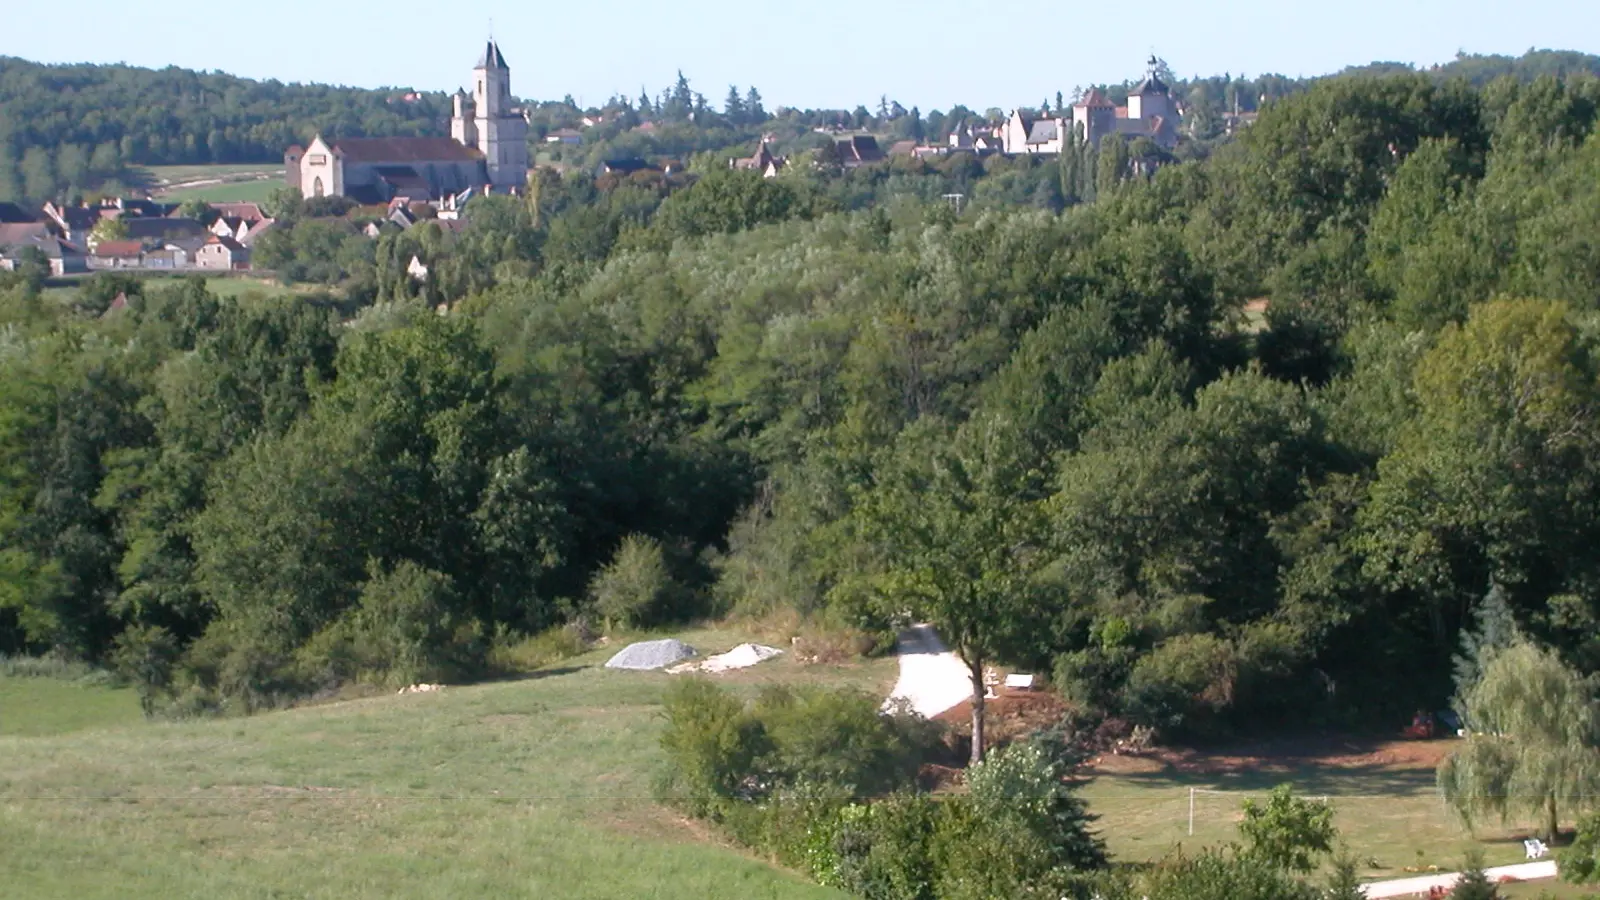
[
  {"x": 71, "y": 129},
  {"x": 1248, "y": 440}
]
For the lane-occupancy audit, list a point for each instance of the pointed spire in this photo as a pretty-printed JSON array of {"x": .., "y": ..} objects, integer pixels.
[{"x": 492, "y": 59}]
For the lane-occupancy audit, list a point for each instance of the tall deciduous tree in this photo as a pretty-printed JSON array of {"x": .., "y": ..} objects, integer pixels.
[{"x": 958, "y": 549}]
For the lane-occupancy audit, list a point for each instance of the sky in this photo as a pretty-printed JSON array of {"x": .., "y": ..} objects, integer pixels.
[{"x": 816, "y": 53}]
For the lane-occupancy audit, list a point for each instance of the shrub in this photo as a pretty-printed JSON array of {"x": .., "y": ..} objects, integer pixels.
[
  {"x": 1090, "y": 678},
  {"x": 636, "y": 586},
  {"x": 1286, "y": 831},
  {"x": 512, "y": 653},
  {"x": 146, "y": 655},
  {"x": 835, "y": 737},
  {"x": 1025, "y": 787},
  {"x": 796, "y": 824},
  {"x": 883, "y": 850},
  {"x": 52, "y": 666},
  {"x": 409, "y": 628},
  {"x": 1216, "y": 876},
  {"x": 1183, "y": 685},
  {"x": 711, "y": 745},
  {"x": 1580, "y": 862}
]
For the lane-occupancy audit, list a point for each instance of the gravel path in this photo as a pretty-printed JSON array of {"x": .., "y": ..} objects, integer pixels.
[
  {"x": 1409, "y": 887},
  {"x": 932, "y": 678}
]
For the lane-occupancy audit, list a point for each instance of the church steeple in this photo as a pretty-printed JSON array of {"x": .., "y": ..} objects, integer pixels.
[
  {"x": 491, "y": 58},
  {"x": 499, "y": 130}
]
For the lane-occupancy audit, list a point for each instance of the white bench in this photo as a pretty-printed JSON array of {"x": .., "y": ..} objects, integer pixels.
[
  {"x": 1535, "y": 848},
  {"x": 1019, "y": 682}
]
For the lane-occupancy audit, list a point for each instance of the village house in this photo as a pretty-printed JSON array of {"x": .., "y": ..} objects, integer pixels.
[
  {"x": 568, "y": 136},
  {"x": 19, "y": 240},
  {"x": 858, "y": 150},
  {"x": 248, "y": 212},
  {"x": 116, "y": 255},
  {"x": 155, "y": 231},
  {"x": 241, "y": 230},
  {"x": 222, "y": 253},
  {"x": 980, "y": 140},
  {"x": 763, "y": 161}
]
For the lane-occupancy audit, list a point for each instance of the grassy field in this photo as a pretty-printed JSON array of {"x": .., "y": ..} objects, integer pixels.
[
  {"x": 223, "y": 192},
  {"x": 33, "y": 707},
  {"x": 175, "y": 174},
  {"x": 536, "y": 787},
  {"x": 1540, "y": 890},
  {"x": 1390, "y": 817},
  {"x": 213, "y": 184},
  {"x": 531, "y": 788}
]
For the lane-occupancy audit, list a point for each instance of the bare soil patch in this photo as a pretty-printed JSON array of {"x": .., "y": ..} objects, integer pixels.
[
  {"x": 1011, "y": 716},
  {"x": 1281, "y": 755}
]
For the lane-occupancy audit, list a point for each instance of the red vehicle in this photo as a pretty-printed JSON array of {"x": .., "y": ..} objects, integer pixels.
[{"x": 1422, "y": 727}]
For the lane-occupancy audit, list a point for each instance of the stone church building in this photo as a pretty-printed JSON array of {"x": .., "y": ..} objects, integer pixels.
[
  {"x": 488, "y": 146},
  {"x": 1151, "y": 113}
]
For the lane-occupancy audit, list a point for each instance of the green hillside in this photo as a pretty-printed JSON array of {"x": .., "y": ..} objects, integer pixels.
[{"x": 531, "y": 788}]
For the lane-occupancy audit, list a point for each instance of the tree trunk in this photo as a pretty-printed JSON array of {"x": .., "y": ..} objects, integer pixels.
[
  {"x": 976, "y": 669},
  {"x": 1553, "y": 822}
]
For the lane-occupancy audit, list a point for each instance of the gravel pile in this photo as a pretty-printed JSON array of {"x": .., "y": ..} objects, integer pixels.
[
  {"x": 651, "y": 655},
  {"x": 741, "y": 657}
]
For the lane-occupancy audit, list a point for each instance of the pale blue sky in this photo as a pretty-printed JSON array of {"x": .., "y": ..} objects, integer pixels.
[{"x": 812, "y": 53}]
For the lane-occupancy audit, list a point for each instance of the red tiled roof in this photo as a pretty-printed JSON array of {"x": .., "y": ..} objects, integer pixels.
[
  {"x": 399, "y": 150},
  {"x": 228, "y": 242},
  {"x": 1095, "y": 98},
  {"x": 107, "y": 249},
  {"x": 249, "y": 212}
]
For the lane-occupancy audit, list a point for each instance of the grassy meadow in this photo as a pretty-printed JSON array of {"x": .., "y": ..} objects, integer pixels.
[
  {"x": 223, "y": 192},
  {"x": 212, "y": 184},
  {"x": 34, "y": 707},
  {"x": 539, "y": 787}
]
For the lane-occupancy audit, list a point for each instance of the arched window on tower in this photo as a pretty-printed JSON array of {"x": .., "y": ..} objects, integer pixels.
[{"x": 316, "y": 186}]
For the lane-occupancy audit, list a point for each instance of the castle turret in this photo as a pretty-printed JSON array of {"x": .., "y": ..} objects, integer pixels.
[
  {"x": 1152, "y": 97},
  {"x": 462, "y": 125},
  {"x": 1094, "y": 117}
]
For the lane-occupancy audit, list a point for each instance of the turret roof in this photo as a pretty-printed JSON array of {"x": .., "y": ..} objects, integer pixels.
[
  {"x": 1152, "y": 83},
  {"x": 491, "y": 58}
]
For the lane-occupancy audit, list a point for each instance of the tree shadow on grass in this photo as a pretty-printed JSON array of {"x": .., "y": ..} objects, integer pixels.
[
  {"x": 1348, "y": 781},
  {"x": 537, "y": 675}
]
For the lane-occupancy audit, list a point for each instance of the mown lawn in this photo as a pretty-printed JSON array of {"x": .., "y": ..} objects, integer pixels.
[
  {"x": 539, "y": 787},
  {"x": 1553, "y": 890},
  {"x": 224, "y": 192},
  {"x": 1391, "y": 818}
]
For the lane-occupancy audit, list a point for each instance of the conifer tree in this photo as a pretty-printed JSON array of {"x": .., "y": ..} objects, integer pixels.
[
  {"x": 1494, "y": 630},
  {"x": 1475, "y": 883}
]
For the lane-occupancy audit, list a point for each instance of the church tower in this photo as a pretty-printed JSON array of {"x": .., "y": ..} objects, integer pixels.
[
  {"x": 501, "y": 134},
  {"x": 1152, "y": 97}
]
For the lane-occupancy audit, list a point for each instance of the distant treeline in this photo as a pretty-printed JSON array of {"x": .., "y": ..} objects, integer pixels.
[{"x": 74, "y": 128}]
